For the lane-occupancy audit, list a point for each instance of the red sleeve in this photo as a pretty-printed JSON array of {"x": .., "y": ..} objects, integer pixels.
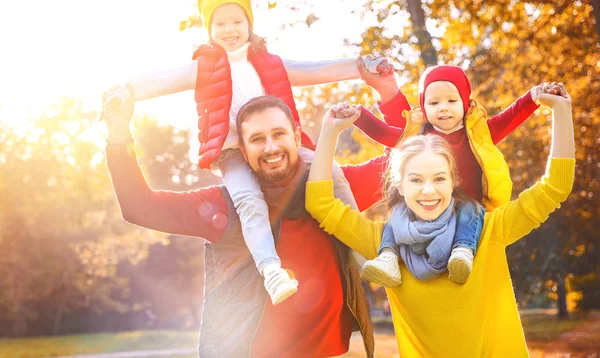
[
  {"x": 365, "y": 180},
  {"x": 392, "y": 110},
  {"x": 201, "y": 213},
  {"x": 505, "y": 122},
  {"x": 376, "y": 129}
]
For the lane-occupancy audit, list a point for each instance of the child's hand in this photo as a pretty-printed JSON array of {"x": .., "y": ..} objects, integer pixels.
[
  {"x": 414, "y": 116},
  {"x": 340, "y": 116},
  {"x": 378, "y": 65},
  {"x": 385, "y": 85}
]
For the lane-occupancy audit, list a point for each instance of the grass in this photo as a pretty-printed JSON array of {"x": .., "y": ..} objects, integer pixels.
[
  {"x": 539, "y": 328},
  {"x": 96, "y": 343},
  {"x": 547, "y": 328}
]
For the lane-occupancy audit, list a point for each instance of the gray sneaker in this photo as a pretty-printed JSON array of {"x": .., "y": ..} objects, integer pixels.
[{"x": 460, "y": 264}]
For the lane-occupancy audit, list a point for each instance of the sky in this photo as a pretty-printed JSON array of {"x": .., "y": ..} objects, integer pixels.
[{"x": 79, "y": 48}]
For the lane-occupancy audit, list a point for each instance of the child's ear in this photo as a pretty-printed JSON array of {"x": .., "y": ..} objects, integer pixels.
[{"x": 472, "y": 106}]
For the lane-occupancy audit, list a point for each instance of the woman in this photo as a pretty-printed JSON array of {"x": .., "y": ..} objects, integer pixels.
[{"x": 437, "y": 317}]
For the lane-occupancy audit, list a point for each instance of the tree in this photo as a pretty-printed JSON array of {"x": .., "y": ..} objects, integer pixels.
[{"x": 506, "y": 48}]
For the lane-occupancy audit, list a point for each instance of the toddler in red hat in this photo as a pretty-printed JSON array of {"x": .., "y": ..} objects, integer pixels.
[{"x": 446, "y": 109}]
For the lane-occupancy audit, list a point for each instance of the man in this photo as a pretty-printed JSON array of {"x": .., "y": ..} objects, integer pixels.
[{"x": 237, "y": 318}]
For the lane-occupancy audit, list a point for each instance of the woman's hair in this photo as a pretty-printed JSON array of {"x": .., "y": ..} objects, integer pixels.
[{"x": 394, "y": 174}]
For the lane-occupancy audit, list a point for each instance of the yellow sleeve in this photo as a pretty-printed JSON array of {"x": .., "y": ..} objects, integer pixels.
[
  {"x": 346, "y": 224},
  {"x": 533, "y": 206}
]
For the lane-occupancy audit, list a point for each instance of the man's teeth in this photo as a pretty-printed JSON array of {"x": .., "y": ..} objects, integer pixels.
[
  {"x": 274, "y": 160},
  {"x": 428, "y": 202}
]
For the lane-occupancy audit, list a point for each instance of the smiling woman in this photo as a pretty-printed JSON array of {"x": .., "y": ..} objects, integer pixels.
[{"x": 438, "y": 317}]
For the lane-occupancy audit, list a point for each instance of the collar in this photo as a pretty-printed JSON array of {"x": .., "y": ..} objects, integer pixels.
[
  {"x": 449, "y": 131},
  {"x": 240, "y": 54}
]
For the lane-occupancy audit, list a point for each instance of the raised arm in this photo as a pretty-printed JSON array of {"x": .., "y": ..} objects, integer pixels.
[
  {"x": 348, "y": 225},
  {"x": 508, "y": 120},
  {"x": 534, "y": 205},
  {"x": 201, "y": 213},
  {"x": 154, "y": 85},
  {"x": 310, "y": 73},
  {"x": 365, "y": 180}
]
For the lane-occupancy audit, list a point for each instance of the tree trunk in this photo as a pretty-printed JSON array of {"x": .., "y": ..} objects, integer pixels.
[
  {"x": 562, "y": 295},
  {"x": 19, "y": 323},
  {"x": 58, "y": 318},
  {"x": 596, "y": 12},
  {"x": 417, "y": 16}
]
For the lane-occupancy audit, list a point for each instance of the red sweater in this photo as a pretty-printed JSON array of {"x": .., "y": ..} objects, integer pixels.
[
  {"x": 469, "y": 171},
  {"x": 315, "y": 322}
]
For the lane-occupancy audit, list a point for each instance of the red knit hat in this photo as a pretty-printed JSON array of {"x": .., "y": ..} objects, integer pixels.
[{"x": 453, "y": 74}]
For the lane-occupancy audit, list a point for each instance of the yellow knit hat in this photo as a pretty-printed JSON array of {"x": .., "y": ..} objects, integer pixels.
[{"x": 208, "y": 7}]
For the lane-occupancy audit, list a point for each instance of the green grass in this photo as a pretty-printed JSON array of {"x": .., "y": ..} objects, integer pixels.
[
  {"x": 96, "y": 343},
  {"x": 538, "y": 327},
  {"x": 548, "y": 327}
]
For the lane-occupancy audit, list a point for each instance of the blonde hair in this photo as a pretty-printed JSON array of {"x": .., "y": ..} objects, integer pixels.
[{"x": 394, "y": 174}]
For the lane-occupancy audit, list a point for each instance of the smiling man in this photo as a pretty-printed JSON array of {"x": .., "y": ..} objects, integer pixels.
[{"x": 238, "y": 320}]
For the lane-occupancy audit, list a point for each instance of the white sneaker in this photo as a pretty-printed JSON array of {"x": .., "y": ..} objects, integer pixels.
[
  {"x": 278, "y": 283},
  {"x": 384, "y": 270},
  {"x": 460, "y": 264}
]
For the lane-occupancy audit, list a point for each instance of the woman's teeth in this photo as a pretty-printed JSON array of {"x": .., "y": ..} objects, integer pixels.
[{"x": 429, "y": 202}]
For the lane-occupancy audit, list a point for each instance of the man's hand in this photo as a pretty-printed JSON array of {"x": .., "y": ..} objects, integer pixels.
[
  {"x": 339, "y": 117},
  {"x": 117, "y": 114},
  {"x": 384, "y": 81}
]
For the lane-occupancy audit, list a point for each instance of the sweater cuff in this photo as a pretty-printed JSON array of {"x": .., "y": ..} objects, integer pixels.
[
  {"x": 560, "y": 173},
  {"x": 530, "y": 104}
]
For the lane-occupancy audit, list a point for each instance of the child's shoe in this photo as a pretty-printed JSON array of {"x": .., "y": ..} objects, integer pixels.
[
  {"x": 278, "y": 283},
  {"x": 384, "y": 270},
  {"x": 460, "y": 264}
]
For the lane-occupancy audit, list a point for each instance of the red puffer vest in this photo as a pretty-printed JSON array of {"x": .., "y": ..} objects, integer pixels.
[{"x": 214, "y": 91}]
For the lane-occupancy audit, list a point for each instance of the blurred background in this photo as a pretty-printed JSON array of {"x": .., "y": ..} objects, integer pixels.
[{"x": 70, "y": 267}]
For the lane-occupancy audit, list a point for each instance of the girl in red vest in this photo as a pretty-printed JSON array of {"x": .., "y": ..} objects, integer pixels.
[{"x": 225, "y": 74}]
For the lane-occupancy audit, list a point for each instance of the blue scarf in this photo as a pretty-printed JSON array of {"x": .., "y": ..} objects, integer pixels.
[{"x": 425, "y": 246}]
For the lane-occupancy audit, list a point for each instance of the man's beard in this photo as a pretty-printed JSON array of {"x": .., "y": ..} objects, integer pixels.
[{"x": 274, "y": 175}]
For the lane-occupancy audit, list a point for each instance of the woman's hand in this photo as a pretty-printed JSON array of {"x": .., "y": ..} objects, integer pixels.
[
  {"x": 554, "y": 94},
  {"x": 339, "y": 117},
  {"x": 552, "y": 88}
]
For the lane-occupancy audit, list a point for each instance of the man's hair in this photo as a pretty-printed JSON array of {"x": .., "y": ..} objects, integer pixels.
[{"x": 260, "y": 104}]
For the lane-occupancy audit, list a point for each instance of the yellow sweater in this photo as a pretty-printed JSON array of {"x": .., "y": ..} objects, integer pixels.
[{"x": 439, "y": 318}]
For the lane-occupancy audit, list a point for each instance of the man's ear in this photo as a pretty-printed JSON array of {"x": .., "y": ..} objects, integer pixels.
[
  {"x": 242, "y": 149},
  {"x": 298, "y": 137}
]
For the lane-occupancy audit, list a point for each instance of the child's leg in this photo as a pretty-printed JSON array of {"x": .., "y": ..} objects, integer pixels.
[
  {"x": 385, "y": 269},
  {"x": 249, "y": 201},
  {"x": 469, "y": 223},
  {"x": 341, "y": 187}
]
